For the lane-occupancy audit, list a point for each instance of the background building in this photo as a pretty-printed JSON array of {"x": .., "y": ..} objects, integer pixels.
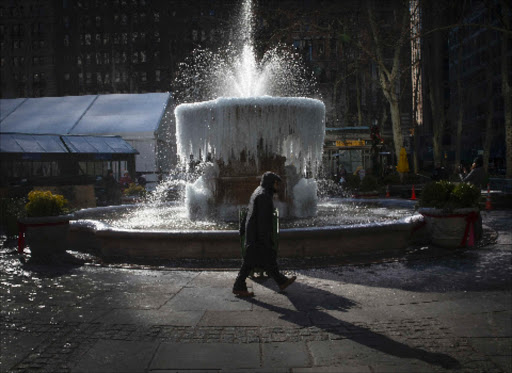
[{"x": 90, "y": 47}]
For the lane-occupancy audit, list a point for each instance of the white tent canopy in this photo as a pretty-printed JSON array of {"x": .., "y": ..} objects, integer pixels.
[{"x": 135, "y": 117}]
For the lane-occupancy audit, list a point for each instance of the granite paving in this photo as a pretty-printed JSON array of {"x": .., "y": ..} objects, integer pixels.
[{"x": 429, "y": 310}]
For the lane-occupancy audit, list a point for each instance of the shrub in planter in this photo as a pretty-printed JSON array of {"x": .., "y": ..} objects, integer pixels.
[
  {"x": 448, "y": 196},
  {"x": 45, "y": 203},
  {"x": 46, "y": 225},
  {"x": 451, "y": 213},
  {"x": 369, "y": 183},
  {"x": 352, "y": 182}
]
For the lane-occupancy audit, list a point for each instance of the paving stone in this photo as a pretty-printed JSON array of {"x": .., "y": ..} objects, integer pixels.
[
  {"x": 116, "y": 356},
  {"x": 206, "y": 356},
  {"x": 213, "y": 299},
  {"x": 489, "y": 324},
  {"x": 151, "y": 317},
  {"x": 335, "y": 369},
  {"x": 373, "y": 351},
  {"x": 15, "y": 347},
  {"x": 503, "y": 362},
  {"x": 127, "y": 300},
  {"x": 187, "y": 370},
  {"x": 285, "y": 355},
  {"x": 253, "y": 318}
]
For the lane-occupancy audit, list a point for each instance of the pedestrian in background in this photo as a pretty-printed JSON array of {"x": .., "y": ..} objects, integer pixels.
[
  {"x": 112, "y": 192},
  {"x": 477, "y": 175}
]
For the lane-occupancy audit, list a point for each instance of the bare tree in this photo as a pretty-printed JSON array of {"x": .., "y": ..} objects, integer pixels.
[
  {"x": 505, "y": 82},
  {"x": 390, "y": 72}
]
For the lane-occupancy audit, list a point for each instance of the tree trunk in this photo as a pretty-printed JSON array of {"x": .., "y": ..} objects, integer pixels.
[
  {"x": 396, "y": 125},
  {"x": 488, "y": 135},
  {"x": 460, "y": 113},
  {"x": 388, "y": 79},
  {"x": 505, "y": 88},
  {"x": 488, "y": 125},
  {"x": 436, "y": 96},
  {"x": 358, "y": 98}
]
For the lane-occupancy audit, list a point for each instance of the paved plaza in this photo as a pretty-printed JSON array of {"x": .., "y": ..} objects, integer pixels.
[{"x": 428, "y": 310}]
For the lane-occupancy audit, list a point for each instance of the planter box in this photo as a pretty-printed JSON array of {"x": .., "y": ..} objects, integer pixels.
[
  {"x": 46, "y": 235},
  {"x": 452, "y": 229}
]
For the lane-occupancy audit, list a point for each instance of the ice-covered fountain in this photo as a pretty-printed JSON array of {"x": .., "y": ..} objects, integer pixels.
[
  {"x": 246, "y": 119},
  {"x": 245, "y": 136}
]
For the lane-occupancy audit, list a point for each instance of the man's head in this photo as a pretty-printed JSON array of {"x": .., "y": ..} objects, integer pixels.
[{"x": 271, "y": 181}]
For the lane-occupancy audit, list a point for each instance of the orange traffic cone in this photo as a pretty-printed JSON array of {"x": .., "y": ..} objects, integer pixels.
[
  {"x": 488, "y": 205},
  {"x": 413, "y": 196},
  {"x": 387, "y": 191}
]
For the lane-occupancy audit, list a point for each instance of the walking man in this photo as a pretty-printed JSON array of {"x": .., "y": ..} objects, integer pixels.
[{"x": 259, "y": 250}]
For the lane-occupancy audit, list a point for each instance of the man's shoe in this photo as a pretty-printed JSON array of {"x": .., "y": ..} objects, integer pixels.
[
  {"x": 287, "y": 283},
  {"x": 243, "y": 293}
]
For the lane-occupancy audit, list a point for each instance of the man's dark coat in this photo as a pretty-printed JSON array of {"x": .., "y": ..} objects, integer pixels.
[{"x": 259, "y": 224}]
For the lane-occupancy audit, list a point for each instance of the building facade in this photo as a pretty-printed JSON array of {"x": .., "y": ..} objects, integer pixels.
[{"x": 80, "y": 47}]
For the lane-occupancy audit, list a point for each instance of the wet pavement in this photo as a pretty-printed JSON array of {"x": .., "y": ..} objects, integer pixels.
[{"x": 425, "y": 310}]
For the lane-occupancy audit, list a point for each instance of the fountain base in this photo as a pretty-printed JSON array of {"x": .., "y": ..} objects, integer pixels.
[{"x": 293, "y": 243}]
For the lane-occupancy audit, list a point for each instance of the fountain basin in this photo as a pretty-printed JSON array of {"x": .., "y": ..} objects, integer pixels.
[{"x": 324, "y": 241}]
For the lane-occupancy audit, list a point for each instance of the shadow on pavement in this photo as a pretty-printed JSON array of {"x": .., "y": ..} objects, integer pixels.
[{"x": 364, "y": 336}]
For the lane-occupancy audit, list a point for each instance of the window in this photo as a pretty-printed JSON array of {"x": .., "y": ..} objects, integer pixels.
[
  {"x": 157, "y": 37},
  {"x": 134, "y": 37},
  {"x": 99, "y": 60},
  {"x": 143, "y": 76},
  {"x": 66, "y": 21},
  {"x": 107, "y": 78},
  {"x": 78, "y": 60},
  {"x": 142, "y": 56},
  {"x": 98, "y": 78},
  {"x": 87, "y": 39},
  {"x": 124, "y": 19},
  {"x": 157, "y": 75},
  {"x": 35, "y": 77},
  {"x": 135, "y": 57},
  {"x": 124, "y": 38},
  {"x": 88, "y": 59},
  {"x": 106, "y": 38},
  {"x": 118, "y": 77},
  {"x": 80, "y": 78},
  {"x": 98, "y": 39},
  {"x": 66, "y": 76},
  {"x": 88, "y": 78},
  {"x": 66, "y": 40},
  {"x": 156, "y": 16},
  {"x": 98, "y": 21},
  {"x": 106, "y": 58}
]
